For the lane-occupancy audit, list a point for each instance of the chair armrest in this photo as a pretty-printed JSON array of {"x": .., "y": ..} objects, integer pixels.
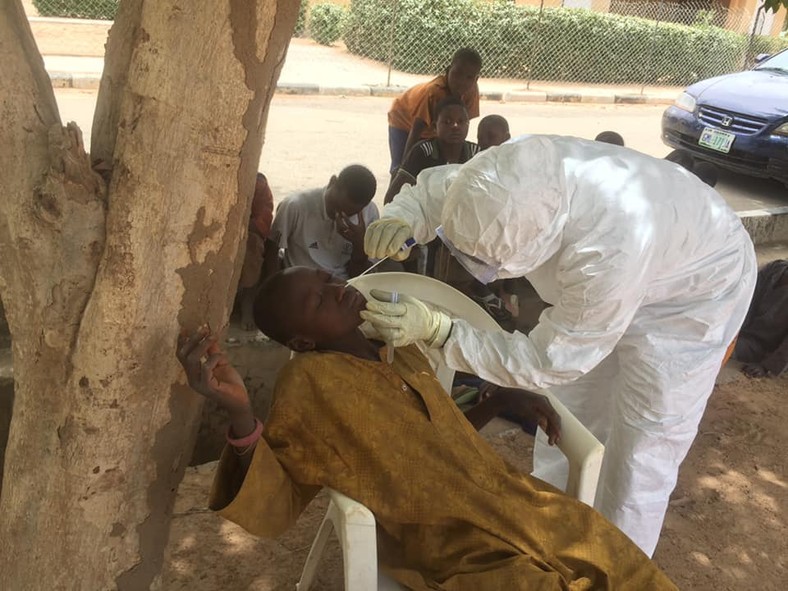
[
  {"x": 584, "y": 452},
  {"x": 351, "y": 512}
]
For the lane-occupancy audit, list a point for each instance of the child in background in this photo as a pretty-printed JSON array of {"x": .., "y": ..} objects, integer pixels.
[
  {"x": 493, "y": 131},
  {"x": 448, "y": 147},
  {"x": 610, "y": 137},
  {"x": 411, "y": 115},
  {"x": 323, "y": 228}
]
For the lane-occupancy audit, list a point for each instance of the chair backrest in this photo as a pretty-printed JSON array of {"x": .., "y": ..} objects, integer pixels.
[{"x": 435, "y": 293}]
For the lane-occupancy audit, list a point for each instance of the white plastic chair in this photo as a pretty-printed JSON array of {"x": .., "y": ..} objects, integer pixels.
[{"x": 355, "y": 524}]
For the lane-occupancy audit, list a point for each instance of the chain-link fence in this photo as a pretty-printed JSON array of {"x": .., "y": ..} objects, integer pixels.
[
  {"x": 88, "y": 9},
  {"x": 605, "y": 41},
  {"x": 656, "y": 42}
]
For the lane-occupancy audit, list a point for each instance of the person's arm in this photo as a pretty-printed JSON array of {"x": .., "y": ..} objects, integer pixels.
[
  {"x": 282, "y": 227},
  {"x": 418, "y": 127},
  {"x": 406, "y": 174},
  {"x": 354, "y": 233},
  {"x": 601, "y": 290},
  {"x": 518, "y": 405},
  {"x": 210, "y": 374},
  {"x": 271, "y": 263},
  {"x": 401, "y": 179},
  {"x": 251, "y": 488}
]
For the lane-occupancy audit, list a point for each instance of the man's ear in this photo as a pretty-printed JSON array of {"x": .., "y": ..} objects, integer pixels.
[
  {"x": 332, "y": 181},
  {"x": 301, "y": 344}
]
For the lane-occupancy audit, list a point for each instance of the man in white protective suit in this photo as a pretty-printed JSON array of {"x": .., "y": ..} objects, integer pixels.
[{"x": 649, "y": 274}]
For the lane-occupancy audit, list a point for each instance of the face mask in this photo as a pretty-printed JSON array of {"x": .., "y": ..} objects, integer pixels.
[{"x": 482, "y": 271}]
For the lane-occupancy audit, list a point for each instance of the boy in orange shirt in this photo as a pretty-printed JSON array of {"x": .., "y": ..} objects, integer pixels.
[{"x": 410, "y": 116}]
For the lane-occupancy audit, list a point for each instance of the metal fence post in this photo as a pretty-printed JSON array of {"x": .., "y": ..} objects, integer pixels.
[
  {"x": 535, "y": 46},
  {"x": 748, "y": 56},
  {"x": 392, "y": 29},
  {"x": 650, "y": 59}
]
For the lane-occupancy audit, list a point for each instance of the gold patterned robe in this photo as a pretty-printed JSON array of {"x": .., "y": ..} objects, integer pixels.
[{"x": 451, "y": 514}]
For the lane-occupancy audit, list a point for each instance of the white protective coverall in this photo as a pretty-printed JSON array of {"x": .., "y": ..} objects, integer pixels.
[{"x": 649, "y": 274}]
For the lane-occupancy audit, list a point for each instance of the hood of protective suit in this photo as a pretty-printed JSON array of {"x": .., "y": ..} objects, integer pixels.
[{"x": 507, "y": 207}]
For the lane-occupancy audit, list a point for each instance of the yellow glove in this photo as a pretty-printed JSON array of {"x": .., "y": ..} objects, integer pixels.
[
  {"x": 385, "y": 237},
  {"x": 406, "y": 322}
]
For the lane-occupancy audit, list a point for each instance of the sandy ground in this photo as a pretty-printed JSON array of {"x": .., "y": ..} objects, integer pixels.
[{"x": 725, "y": 529}]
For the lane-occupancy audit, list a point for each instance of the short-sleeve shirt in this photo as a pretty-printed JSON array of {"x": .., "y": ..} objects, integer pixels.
[
  {"x": 427, "y": 153},
  {"x": 309, "y": 237},
  {"x": 419, "y": 101}
]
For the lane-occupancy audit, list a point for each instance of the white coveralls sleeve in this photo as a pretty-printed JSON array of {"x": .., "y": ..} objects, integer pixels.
[
  {"x": 421, "y": 205},
  {"x": 601, "y": 285}
]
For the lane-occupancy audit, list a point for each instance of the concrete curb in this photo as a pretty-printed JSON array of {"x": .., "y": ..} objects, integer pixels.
[
  {"x": 766, "y": 226},
  {"x": 92, "y": 81}
]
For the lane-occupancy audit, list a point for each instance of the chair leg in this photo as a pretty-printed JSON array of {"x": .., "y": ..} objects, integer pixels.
[
  {"x": 315, "y": 553},
  {"x": 360, "y": 557}
]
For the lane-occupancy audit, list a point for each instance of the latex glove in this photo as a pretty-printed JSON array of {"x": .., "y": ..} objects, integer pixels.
[
  {"x": 406, "y": 322},
  {"x": 385, "y": 237}
]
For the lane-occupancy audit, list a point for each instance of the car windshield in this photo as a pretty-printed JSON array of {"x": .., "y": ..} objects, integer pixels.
[{"x": 779, "y": 62}]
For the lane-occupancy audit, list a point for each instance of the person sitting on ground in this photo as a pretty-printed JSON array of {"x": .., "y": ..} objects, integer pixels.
[
  {"x": 451, "y": 513},
  {"x": 411, "y": 114},
  {"x": 316, "y": 228},
  {"x": 449, "y": 146},
  {"x": 493, "y": 130},
  {"x": 763, "y": 340},
  {"x": 260, "y": 219},
  {"x": 610, "y": 137}
]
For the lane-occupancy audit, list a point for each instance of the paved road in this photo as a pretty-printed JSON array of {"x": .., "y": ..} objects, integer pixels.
[{"x": 309, "y": 138}]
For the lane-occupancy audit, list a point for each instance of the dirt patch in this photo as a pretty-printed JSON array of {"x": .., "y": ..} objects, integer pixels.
[
  {"x": 70, "y": 37},
  {"x": 725, "y": 528}
]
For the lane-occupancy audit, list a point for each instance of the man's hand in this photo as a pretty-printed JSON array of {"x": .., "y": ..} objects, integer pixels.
[
  {"x": 385, "y": 237},
  {"x": 353, "y": 233},
  {"x": 209, "y": 372},
  {"x": 407, "y": 321},
  {"x": 522, "y": 405}
]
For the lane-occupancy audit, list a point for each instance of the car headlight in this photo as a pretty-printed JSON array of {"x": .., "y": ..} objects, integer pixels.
[
  {"x": 686, "y": 101},
  {"x": 782, "y": 130}
]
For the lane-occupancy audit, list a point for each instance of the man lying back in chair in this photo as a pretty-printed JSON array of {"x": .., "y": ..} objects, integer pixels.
[{"x": 451, "y": 514}]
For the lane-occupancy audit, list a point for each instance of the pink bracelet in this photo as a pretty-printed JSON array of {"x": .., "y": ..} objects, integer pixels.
[{"x": 250, "y": 439}]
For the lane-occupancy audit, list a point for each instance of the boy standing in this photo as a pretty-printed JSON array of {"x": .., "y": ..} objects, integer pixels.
[
  {"x": 447, "y": 147},
  {"x": 324, "y": 228},
  {"x": 411, "y": 115}
]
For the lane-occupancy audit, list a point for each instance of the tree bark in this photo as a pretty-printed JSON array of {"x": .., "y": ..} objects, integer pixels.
[{"x": 98, "y": 279}]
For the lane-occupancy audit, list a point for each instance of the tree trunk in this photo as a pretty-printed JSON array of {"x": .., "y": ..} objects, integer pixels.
[{"x": 98, "y": 278}]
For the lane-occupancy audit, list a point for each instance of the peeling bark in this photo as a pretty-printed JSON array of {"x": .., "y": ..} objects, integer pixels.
[{"x": 97, "y": 280}]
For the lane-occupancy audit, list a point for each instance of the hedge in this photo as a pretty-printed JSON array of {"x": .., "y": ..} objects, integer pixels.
[
  {"x": 574, "y": 44},
  {"x": 91, "y": 9},
  {"x": 325, "y": 23}
]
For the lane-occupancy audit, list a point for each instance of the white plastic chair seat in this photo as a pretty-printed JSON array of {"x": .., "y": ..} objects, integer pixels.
[{"x": 355, "y": 524}]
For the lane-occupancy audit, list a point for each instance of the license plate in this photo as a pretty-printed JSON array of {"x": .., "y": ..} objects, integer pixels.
[{"x": 721, "y": 141}]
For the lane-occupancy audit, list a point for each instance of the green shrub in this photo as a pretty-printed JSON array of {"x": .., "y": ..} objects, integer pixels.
[
  {"x": 572, "y": 44},
  {"x": 325, "y": 23},
  {"x": 300, "y": 25},
  {"x": 92, "y": 9}
]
